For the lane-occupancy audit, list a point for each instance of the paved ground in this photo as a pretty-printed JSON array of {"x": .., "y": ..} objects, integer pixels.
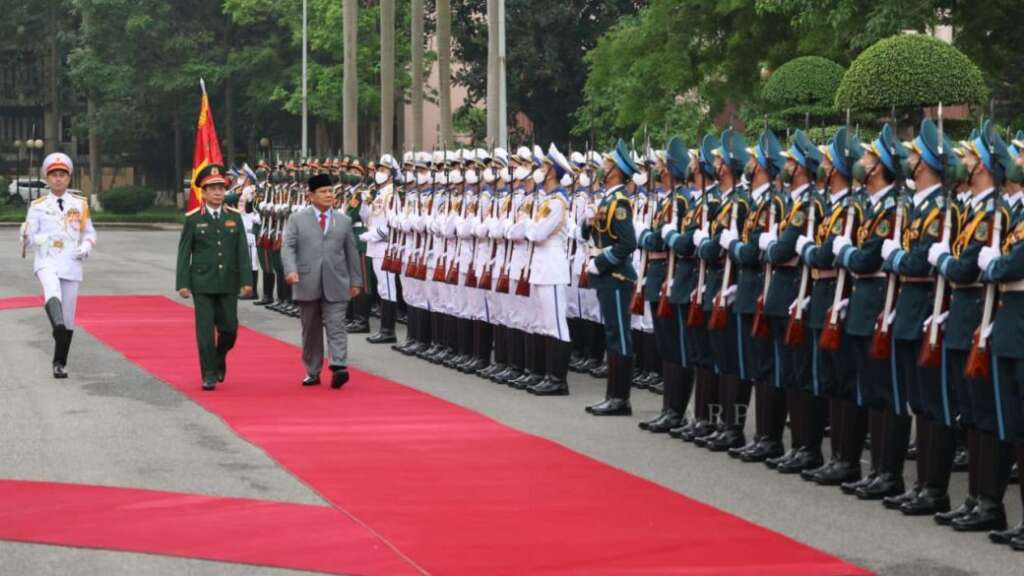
[{"x": 113, "y": 424}]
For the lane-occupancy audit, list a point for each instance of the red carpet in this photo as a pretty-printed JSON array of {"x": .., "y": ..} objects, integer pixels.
[
  {"x": 452, "y": 490},
  {"x": 21, "y": 302},
  {"x": 226, "y": 529}
]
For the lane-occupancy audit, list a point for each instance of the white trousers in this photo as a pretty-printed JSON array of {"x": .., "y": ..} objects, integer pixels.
[
  {"x": 64, "y": 290},
  {"x": 549, "y": 316},
  {"x": 385, "y": 281}
]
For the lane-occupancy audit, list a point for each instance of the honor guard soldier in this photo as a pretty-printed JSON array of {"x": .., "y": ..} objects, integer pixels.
[
  {"x": 1004, "y": 265},
  {"x": 610, "y": 230},
  {"x": 378, "y": 215},
  {"x": 719, "y": 292},
  {"x": 743, "y": 245},
  {"x": 983, "y": 159},
  {"x": 789, "y": 288},
  {"x": 833, "y": 372},
  {"x": 60, "y": 229},
  {"x": 926, "y": 220},
  {"x": 669, "y": 281},
  {"x": 880, "y": 397},
  {"x": 359, "y": 194},
  {"x": 213, "y": 268}
]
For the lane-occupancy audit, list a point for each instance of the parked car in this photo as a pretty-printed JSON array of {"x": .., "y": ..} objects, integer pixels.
[{"x": 27, "y": 189}]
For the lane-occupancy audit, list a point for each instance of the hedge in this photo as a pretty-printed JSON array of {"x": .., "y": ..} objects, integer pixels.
[
  {"x": 910, "y": 70},
  {"x": 127, "y": 199}
]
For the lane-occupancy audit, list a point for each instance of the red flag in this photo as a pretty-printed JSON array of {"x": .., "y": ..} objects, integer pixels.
[{"x": 207, "y": 148}]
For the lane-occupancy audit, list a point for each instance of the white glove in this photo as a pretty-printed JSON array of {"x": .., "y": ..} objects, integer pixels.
[
  {"x": 842, "y": 308},
  {"x": 666, "y": 230},
  {"x": 801, "y": 303},
  {"x": 367, "y": 236},
  {"x": 936, "y": 251},
  {"x": 40, "y": 239},
  {"x": 987, "y": 331},
  {"x": 726, "y": 237},
  {"x": 83, "y": 250},
  {"x": 699, "y": 236},
  {"x": 801, "y": 242},
  {"x": 730, "y": 295},
  {"x": 928, "y": 320},
  {"x": 840, "y": 242},
  {"x": 888, "y": 247},
  {"x": 766, "y": 238},
  {"x": 588, "y": 214},
  {"x": 986, "y": 256},
  {"x": 592, "y": 268}
]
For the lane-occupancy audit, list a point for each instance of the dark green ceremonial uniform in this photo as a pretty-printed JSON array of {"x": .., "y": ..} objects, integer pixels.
[
  {"x": 1007, "y": 340},
  {"x": 726, "y": 349},
  {"x": 213, "y": 263},
  {"x": 613, "y": 234}
]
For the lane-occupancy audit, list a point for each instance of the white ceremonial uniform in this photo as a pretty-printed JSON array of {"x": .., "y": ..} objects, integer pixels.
[
  {"x": 549, "y": 274},
  {"x": 376, "y": 214},
  {"x": 520, "y": 311},
  {"x": 61, "y": 232},
  {"x": 497, "y": 227}
]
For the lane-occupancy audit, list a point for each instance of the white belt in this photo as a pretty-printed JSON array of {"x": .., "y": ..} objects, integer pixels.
[
  {"x": 791, "y": 263},
  {"x": 867, "y": 276},
  {"x": 1017, "y": 286},
  {"x": 966, "y": 286},
  {"x": 917, "y": 279},
  {"x": 823, "y": 274}
]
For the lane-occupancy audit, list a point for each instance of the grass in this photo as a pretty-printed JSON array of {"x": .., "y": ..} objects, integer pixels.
[{"x": 157, "y": 215}]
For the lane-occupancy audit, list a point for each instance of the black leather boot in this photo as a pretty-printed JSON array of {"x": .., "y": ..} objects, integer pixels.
[
  {"x": 557, "y": 360},
  {"x": 616, "y": 403},
  {"x": 225, "y": 342}
]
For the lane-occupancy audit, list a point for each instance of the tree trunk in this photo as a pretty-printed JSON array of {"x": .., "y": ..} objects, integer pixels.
[
  {"x": 387, "y": 76},
  {"x": 444, "y": 52},
  {"x": 94, "y": 149},
  {"x": 350, "y": 102},
  {"x": 417, "y": 74}
]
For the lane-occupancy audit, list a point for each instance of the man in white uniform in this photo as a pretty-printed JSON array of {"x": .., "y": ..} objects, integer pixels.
[{"x": 58, "y": 226}]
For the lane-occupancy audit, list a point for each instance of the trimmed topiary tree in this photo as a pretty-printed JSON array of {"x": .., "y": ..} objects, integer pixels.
[
  {"x": 910, "y": 70},
  {"x": 804, "y": 84}
]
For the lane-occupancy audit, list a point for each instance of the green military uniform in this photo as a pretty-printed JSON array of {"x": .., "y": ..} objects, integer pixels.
[
  {"x": 213, "y": 263},
  {"x": 614, "y": 239}
]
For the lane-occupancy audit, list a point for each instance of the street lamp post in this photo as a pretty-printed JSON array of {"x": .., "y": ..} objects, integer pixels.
[{"x": 19, "y": 145}]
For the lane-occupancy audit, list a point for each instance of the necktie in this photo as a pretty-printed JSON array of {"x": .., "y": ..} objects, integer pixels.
[
  {"x": 60, "y": 204},
  {"x": 323, "y": 221}
]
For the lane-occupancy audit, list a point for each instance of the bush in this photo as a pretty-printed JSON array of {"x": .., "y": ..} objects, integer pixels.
[
  {"x": 807, "y": 83},
  {"x": 910, "y": 70},
  {"x": 127, "y": 199}
]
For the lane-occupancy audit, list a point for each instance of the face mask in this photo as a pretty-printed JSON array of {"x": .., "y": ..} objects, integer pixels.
[
  {"x": 521, "y": 173},
  {"x": 409, "y": 177},
  {"x": 423, "y": 178},
  {"x": 786, "y": 175},
  {"x": 585, "y": 180},
  {"x": 860, "y": 172},
  {"x": 910, "y": 184},
  {"x": 489, "y": 175},
  {"x": 538, "y": 176},
  {"x": 440, "y": 178},
  {"x": 961, "y": 174},
  {"x": 748, "y": 173},
  {"x": 821, "y": 173},
  {"x": 455, "y": 177},
  {"x": 640, "y": 178},
  {"x": 380, "y": 178},
  {"x": 566, "y": 180}
]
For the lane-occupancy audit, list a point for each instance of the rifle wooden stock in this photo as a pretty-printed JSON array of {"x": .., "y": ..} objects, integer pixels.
[
  {"x": 978, "y": 359},
  {"x": 720, "y": 308},
  {"x": 796, "y": 327},
  {"x": 930, "y": 355},
  {"x": 831, "y": 334},
  {"x": 881, "y": 342}
]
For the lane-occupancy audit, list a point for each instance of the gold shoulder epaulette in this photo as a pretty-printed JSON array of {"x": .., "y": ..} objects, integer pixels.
[
  {"x": 232, "y": 209},
  {"x": 193, "y": 211},
  {"x": 39, "y": 200}
]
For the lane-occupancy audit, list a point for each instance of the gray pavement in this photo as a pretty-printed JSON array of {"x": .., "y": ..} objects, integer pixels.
[{"x": 113, "y": 424}]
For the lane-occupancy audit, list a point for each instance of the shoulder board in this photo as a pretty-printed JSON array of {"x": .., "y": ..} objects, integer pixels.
[
  {"x": 940, "y": 201},
  {"x": 78, "y": 196},
  {"x": 193, "y": 211},
  {"x": 39, "y": 200},
  {"x": 990, "y": 205},
  {"x": 889, "y": 203},
  {"x": 232, "y": 209}
]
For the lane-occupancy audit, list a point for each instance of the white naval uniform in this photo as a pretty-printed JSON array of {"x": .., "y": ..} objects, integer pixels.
[
  {"x": 55, "y": 228},
  {"x": 590, "y": 306},
  {"x": 412, "y": 288},
  {"x": 549, "y": 273},
  {"x": 437, "y": 292},
  {"x": 643, "y": 322},
  {"x": 520, "y": 309},
  {"x": 376, "y": 214},
  {"x": 496, "y": 227}
]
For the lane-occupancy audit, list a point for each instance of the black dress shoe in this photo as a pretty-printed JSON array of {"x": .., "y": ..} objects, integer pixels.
[
  {"x": 264, "y": 301},
  {"x": 925, "y": 503},
  {"x": 702, "y": 440},
  {"x": 1017, "y": 544},
  {"x": 763, "y": 450},
  {"x": 1007, "y": 536},
  {"x": 600, "y": 371},
  {"x": 508, "y": 376},
  {"x": 804, "y": 460},
  {"x": 699, "y": 430},
  {"x": 946, "y": 518},
  {"x": 886, "y": 484},
  {"x": 310, "y": 380},
  {"x": 574, "y": 361},
  {"x": 662, "y": 423},
  {"x": 896, "y": 502},
  {"x": 209, "y": 384},
  {"x": 588, "y": 364},
  {"x": 359, "y": 328},
  {"x": 551, "y": 387},
  {"x": 841, "y": 474},
  {"x": 338, "y": 378},
  {"x": 850, "y": 487},
  {"x": 987, "y": 515},
  {"x": 58, "y": 371},
  {"x": 683, "y": 428},
  {"x": 726, "y": 440},
  {"x": 740, "y": 451},
  {"x": 960, "y": 460},
  {"x": 774, "y": 462},
  {"x": 611, "y": 407},
  {"x": 812, "y": 474},
  {"x": 382, "y": 338}
]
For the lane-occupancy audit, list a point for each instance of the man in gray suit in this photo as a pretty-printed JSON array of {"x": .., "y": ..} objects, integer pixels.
[{"x": 321, "y": 262}]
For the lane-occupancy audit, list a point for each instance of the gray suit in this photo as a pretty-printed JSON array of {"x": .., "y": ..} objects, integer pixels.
[{"x": 328, "y": 265}]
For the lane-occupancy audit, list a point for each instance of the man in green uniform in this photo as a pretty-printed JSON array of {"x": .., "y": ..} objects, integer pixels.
[
  {"x": 359, "y": 193},
  {"x": 213, "y": 266},
  {"x": 610, "y": 231}
]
